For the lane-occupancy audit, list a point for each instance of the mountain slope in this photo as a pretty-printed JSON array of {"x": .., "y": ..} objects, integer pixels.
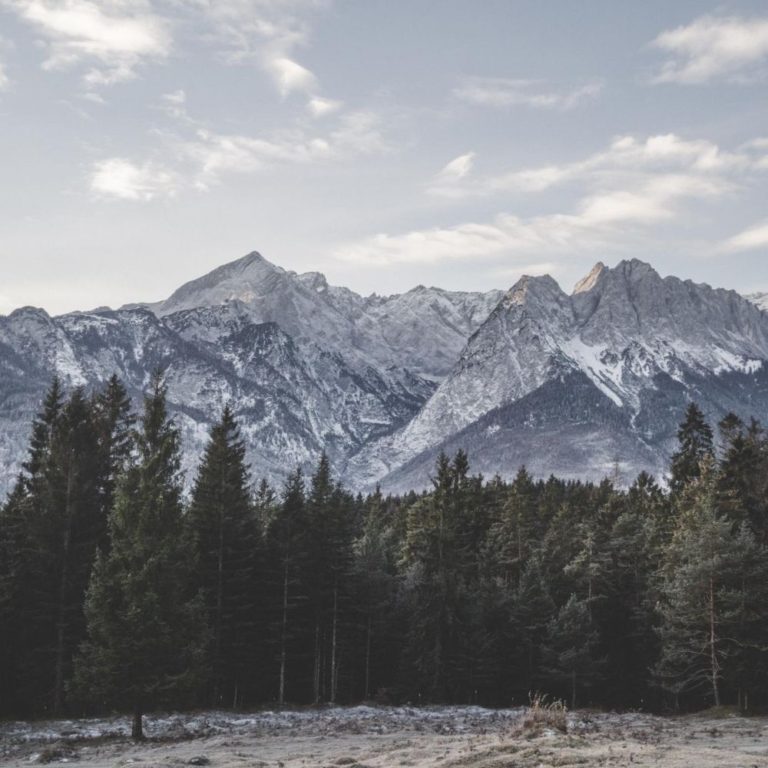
[
  {"x": 644, "y": 343},
  {"x": 571, "y": 384},
  {"x": 307, "y": 367}
]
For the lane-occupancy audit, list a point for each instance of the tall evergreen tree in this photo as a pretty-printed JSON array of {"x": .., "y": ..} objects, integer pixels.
[
  {"x": 227, "y": 540},
  {"x": 571, "y": 648},
  {"x": 287, "y": 558},
  {"x": 115, "y": 423},
  {"x": 146, "y": 628},
  {"x": 704, "y": 593},
  {"x": 696, "y": 444}
]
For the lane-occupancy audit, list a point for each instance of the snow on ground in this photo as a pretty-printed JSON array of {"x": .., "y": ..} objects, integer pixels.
[{"x": 387, "y": 737}]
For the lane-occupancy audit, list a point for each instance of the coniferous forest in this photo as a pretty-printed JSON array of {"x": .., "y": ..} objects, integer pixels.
[{"x": 118, "y": 592}]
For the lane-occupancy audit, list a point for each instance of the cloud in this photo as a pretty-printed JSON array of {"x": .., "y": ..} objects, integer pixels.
[
  {"x": 113, "y": 37},
  {"x": 505, "y": 92},
  {"x": 626, "y": 158},
  {"x": 712, "y": 48},
  {"x": 458, "y": 168},
  {"x": 320, "y": 107},
  {"x": 600, "y": 220},
  {"x": 750, "y": 239},
  {"x": 506, "y": 234},
  {"x": 177, "y": 98},
  {"x": 269, "y": 32},
  {"x": 4, "y": 80},
  {"x": 651, "y": 201},
  {"x": 120, "y": 178},
  {"x": 290, "y": 76},
  {"x": 215, "y": 154},
  {"x": 208, "y": 155},
  {"x": 623, "y": 191}
]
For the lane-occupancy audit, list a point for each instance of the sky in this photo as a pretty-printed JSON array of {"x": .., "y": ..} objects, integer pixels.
[{"x": 384, "y": 143}]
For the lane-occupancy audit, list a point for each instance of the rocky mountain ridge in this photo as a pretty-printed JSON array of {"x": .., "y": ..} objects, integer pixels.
[{"x": 574, "y": 384}]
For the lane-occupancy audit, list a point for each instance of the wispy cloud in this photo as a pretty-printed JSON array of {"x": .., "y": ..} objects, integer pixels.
[
  {"x": 290, "y": 76},
  {"x": 215, "y": 154},
  {"x": 712, "y": 48},
  {"x": 624, "y": 157},
  {"x": 4, "y": 79},
  {"x": 112, "y": 38},
  {"x": 271, "y": 32},
  {"x": 628, "y": 188},
  {"x": 506, "y": 92},
  {"x": 320, "y": 107},
  {"x": 123, "y": 179},
  {"x": 197, "y": 156},
  {"x": 752, "y": 238},
  {"x": 599, "y": 220},
  {"x": 457, "y": 168}
]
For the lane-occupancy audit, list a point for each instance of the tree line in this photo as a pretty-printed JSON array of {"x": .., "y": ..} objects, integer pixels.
[{"x": 118, "y": 593}]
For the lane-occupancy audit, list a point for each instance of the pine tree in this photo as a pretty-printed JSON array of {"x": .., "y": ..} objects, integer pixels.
[
  {"x": 227, "y": 540},
  {"x": 375, "y": 577},
  {"x": 55, "y": 523},
  {"x": 287, "y": 553},
  {"x": 28, "y": 634},
  {"x": 743, "y": 476},
  {"x": 75, "y": 524},
  {"x": 696, "y": 444},
  {"x": 708, "y": 573},
  {"x": 115, "y": 423},
  {"x": 511, "y": 535},
  {"x": 330, "y": 536},
  {"x": 146, "y": 629},
  {"x": 571, "y": 648}
]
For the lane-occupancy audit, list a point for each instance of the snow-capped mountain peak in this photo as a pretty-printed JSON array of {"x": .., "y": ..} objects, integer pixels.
[{"x": 562, "y": 383}]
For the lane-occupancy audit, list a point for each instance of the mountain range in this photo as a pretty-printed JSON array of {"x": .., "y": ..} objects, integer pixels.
[{"x": 581, "y": 385}]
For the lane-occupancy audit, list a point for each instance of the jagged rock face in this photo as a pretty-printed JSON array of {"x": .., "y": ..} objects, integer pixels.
[
  {"x": 566, "y": 384},
  {"x": 422, "y": 331},
  {"x": 306, "y": 366},
  {"x": 644, "y": 344},
  {"x": 760, "y": 299}
]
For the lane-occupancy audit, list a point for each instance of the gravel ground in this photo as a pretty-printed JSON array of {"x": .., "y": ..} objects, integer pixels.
[{"x": 386, "y": 737}]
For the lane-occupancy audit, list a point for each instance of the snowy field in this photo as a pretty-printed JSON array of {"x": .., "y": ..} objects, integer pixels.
[{"x": 386, "y": 737}]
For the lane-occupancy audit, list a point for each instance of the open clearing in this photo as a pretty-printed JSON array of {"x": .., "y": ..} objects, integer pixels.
[{"x": 387, "y": 737}]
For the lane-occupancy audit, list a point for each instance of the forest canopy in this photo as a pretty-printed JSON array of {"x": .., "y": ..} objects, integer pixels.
[{"x": 117, "y": 592}]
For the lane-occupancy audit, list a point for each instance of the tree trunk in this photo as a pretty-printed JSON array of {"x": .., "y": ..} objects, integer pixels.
[
  {"x": 368, "y": 660},
  {"x": 316, "y": 675},
  {"x": 137, "y": 728},
  {"x": 283, "y": 634},
  {"x": 61, "y": 620},
  {"x": 219, "y": 612},
  {"x": 333, "y": 643},
  {"x": 715, "y": 667},
  {"x": 573, "y": 689}
]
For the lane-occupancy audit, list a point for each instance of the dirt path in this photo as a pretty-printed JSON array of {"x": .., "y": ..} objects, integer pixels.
[{"x": 365, "y": 737}]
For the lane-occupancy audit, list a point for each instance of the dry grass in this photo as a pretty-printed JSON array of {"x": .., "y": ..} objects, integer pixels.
[{"x": 543, "y": 714}]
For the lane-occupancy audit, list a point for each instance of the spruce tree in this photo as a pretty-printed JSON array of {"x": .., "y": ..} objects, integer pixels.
[
  {"x": 571, "y": 649},
  {"x": 287, "y": 558},
  {"x": 713, "y": 578},
  {"x": 55, "y": 523},
  {"x": 375, "y": 579},
  {"x": 696, "y": 444},
  {"x": 146, "y": 627},
  {"x": 227, "y": 541},
  {"x": 115, "y": 422}
]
